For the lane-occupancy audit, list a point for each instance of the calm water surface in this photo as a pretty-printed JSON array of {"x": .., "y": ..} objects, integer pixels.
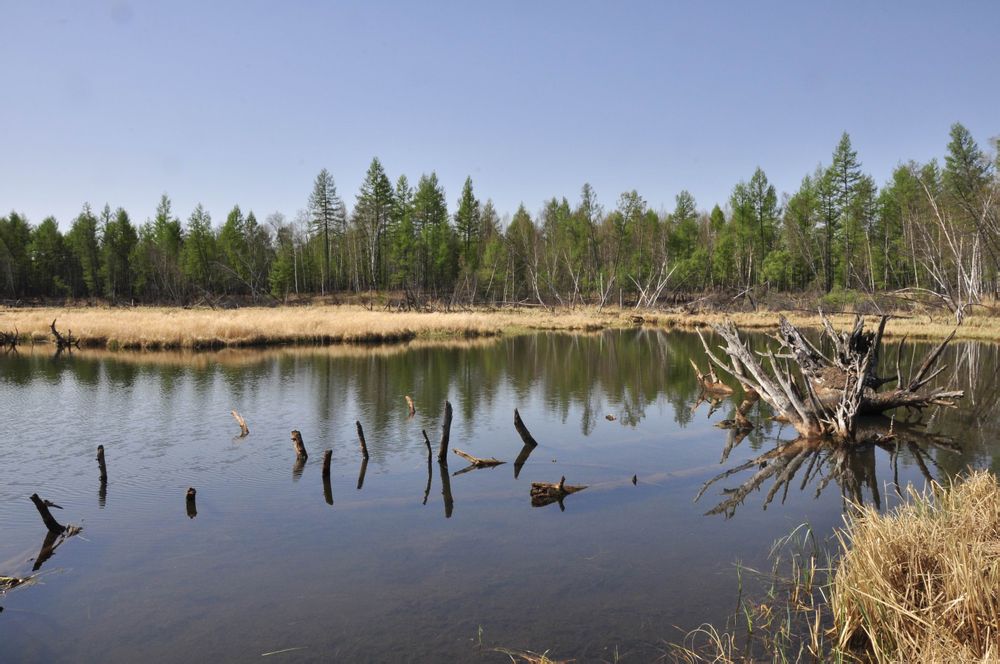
[{"x": 390, "y": 571}]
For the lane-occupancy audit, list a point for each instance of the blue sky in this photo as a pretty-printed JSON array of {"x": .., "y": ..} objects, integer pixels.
[{"x": 244, "y": 102}]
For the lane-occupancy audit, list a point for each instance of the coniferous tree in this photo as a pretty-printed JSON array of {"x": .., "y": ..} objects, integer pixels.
[
  {"x": 372, "y": 214},
  {"x": 84, "y": 245}
]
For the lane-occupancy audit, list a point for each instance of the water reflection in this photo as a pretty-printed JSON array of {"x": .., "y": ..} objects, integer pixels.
[{"x": 851, "y": 467}]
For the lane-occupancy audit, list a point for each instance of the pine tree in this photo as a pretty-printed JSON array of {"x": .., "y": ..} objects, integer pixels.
[
  {"x": 467, "y": 227},
  {"x": 328, "y": 218},
  {"x": 372, "y": 214},
  {"x": 82, "y": 242}
]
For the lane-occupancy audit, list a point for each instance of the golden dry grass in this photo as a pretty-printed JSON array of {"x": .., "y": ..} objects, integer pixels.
[
  {"x": 174, "y": 327},
  {"x": 164, "y": 327},
  {"x": 923, "y": 582},
  {"x": 918, "y": 584}
]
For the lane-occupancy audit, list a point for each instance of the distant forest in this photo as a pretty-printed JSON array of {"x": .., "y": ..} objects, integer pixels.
[{"x": 932, "y": 230}]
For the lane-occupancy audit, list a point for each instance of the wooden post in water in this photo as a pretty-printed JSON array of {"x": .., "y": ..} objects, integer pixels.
[
  {"x": 300, "y": 448},
  {"x": 47, "y": 518},
  {"x": 192, "y": 508},
  {"x": 361, "y": 439},
  {"x": 101, "y": 465},
  {"x": 445, "y": 433}
]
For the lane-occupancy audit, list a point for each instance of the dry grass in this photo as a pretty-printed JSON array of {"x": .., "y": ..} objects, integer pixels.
[
  {"x": 173, "y": 327},
  {"x": 918, "y": 584},
  {"x": 923, "y": 583},
  {"x": 167, "y": 328}
]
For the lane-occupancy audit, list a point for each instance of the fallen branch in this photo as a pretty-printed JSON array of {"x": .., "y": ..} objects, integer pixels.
[
  {"x": 476, "y": 462},
  {"x": 523, "y": 430}
]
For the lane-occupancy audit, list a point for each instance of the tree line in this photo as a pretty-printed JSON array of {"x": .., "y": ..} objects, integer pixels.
[{"x": 932, "y": 229}]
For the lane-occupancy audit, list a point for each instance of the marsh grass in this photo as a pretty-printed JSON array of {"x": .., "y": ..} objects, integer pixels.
[
  {"x": 159, "y": 328},
  {"x": 176, "y": 328},
  {"x": 918, "y": 584}
]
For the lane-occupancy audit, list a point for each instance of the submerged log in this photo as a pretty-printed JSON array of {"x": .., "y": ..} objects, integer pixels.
[
  {"x": 545, "y": 493},
  {"x": 523, "y": 430},
  {"x": 361, "y": 439},
  {"x": 244, "y": 430},
  {"x": 828, "y": 394},
  {"x": 300, "y": 447},
  {"x": 445, "y": 433}
]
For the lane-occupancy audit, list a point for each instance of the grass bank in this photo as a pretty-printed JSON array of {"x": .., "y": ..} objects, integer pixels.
[
  {"x": 179, "y": 328},
  {"x": 918, "y": 584}
]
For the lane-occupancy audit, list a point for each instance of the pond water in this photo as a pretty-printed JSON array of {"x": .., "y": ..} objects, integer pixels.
[{"x": 392, "y": 570}]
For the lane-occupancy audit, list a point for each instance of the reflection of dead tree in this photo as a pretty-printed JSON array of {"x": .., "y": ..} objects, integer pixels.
[
  {"x": 831, "y": 392},
  {"x": 851, "y": 467},
  {"x": 9, "y": 340},
  {"x": 710, "y": 382}
]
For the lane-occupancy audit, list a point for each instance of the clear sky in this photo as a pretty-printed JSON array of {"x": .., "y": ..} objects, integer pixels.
[{"x": 244, "y": 102}]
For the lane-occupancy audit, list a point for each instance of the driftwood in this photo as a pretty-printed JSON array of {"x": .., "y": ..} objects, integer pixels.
[
  {"x": 522, "y": 430},
  {"x": 710, "y": 382},
  {"x": 67, "y": 342},
  {"x": 445, "y": 433},
  {"x": 545, "y": 493},
  {"x": 410, "y": 406},
  {"x": 300, "y": 447},
  {"x": 244, "y": 430},
  {"x": 361, "y": 439},
  {"x": 829, "y": 394},
  {"x": 189, "y": 502},
  {"x": 476, "y": 462}
]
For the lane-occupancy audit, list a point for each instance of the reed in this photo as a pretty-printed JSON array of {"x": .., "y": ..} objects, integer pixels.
[{"x": 918, "y": 584}]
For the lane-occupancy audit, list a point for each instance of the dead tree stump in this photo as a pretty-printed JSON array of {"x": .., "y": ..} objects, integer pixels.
[
  {"x": 409, "y": 404},
  {"x": 244, "y": 430},
  {"x": 361, "y": 439},
  {"x": 300, "y": 448},
  {"x": 445, "y": 433},
  {"x": 523, "y": 430},
  {"x": 101, "y": 465},
  {"x": 43, "y": 510},
  {"x": 189, "y": 502}
]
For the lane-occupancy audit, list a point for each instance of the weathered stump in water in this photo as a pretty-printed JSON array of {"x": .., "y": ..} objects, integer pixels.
[
  {"x": 244, "y": 429},
  {"x": 43, "y": 510},
  {"x": 101, "y": 465},
  {"x": 409, "y": 404},
  {"x": 523, "y": 430},
  {"x": 445, "y": 433},
  {"x": 361, "y": 439},
  {"x": 189, "y": 502},
  {"x": 300, "y": 447}
]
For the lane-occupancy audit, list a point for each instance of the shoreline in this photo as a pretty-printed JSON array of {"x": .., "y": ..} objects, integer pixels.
[{"x": 176, "y": 328}]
